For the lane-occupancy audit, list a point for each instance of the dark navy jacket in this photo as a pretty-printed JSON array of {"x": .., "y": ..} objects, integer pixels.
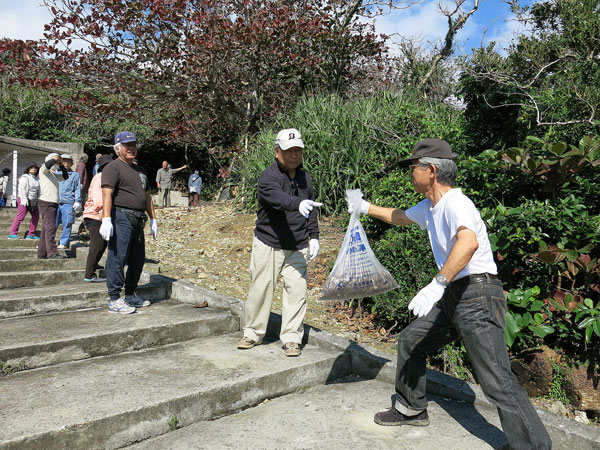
[{"x": 279, "y": 223}]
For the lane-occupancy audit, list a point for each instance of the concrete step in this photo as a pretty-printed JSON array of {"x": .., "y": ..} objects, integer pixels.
[
  {"x": 37, "y": 300},
  {"x": 338, "y": 416},
  {"x": 17, "y": 243},
  {"x": 18, "y": 265},
  {"x": 117, "y": 400},
  {"x": 8, "y": 211},
  {"x": 47, "y": 339},
  {"x": 49, "y": 278},
  {"x": 17, "y": 253}
]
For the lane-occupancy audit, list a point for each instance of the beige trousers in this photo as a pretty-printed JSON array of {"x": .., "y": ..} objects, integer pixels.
[{"x": 266, "y": 263}]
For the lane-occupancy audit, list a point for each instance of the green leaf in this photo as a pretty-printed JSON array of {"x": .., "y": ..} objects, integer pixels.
[
  {"x": 536, "y": 305},
  {"x": 558, "y": 148},
  {"x": 597, "y": 327},
  {"x": 538, "y": 318},
  {"x": 542, "y": 330},
  {"x": 525, "y": 320},
  {"x": 493, "y": 242},
  {"x": 510, "y": 329},
  {"x": 557, "y": 305},
  {"x": 589, "y": 303},
  {"x": 585, "y": 322}
]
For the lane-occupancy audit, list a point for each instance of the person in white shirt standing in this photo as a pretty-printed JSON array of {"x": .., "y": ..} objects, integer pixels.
[
  {"x": 194, "y": 186},
  {"x": 29, "y": 191},
  {"x": 464, "y": 301}
]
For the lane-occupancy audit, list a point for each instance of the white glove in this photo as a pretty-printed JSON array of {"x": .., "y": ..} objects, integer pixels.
[
  {"x": 422, "y": 303},
  {"x": 306, "y": 206},
  {"x": 313, "y": 248},
  {"x": 153, "y": 227},
  {"x": 106, "y": 228},
  {"x": 76, "y": 206},
  {"x": 364, "y": 207}
]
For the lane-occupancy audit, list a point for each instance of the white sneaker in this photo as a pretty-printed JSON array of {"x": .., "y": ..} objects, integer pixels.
[
  {"x": 120, "y": 307},
  {"x": 135, "y": 301},
  {"x": 61, "y": 246}
]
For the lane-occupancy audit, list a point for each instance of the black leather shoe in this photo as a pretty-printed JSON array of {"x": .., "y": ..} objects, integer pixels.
[
  {"x": 57, "y": 256},
  {"x": 393, "y": 417},
  {"x": 41, "y": 257}
]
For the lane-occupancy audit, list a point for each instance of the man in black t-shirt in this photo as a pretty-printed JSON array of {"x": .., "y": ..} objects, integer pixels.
[{"x": 126, "y": 201}]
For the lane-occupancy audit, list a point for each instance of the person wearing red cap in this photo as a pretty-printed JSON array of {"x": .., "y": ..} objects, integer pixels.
[{"x": 465, "y": 300}]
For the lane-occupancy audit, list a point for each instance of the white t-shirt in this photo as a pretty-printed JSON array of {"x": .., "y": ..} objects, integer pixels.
[{"x": 442, "y": 221}]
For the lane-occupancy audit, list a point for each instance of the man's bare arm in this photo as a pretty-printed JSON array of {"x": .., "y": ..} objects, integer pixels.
[
  {"x": 180, "y": 169},
  {"x": 107, "y": 194},
  {"x": 394, "y": 216},
  {"x": 465, "y": 246},
  {"x": 150, "y": 206}
]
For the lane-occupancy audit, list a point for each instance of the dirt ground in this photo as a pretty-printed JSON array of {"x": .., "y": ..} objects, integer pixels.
[{"x": 210, "y": 246}]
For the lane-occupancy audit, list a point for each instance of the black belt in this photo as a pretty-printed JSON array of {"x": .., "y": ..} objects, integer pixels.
[
  {"x": 134, "y": 212},
  {"x": 475, "y": 278}
]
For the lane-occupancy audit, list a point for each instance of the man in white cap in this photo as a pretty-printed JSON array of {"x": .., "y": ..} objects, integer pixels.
[
  {"x": 69, "y": 193},
  {"x": 286, "y": 237}
]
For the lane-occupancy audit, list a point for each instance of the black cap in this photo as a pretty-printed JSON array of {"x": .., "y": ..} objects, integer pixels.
[
  {"x": 29, "y": 165},
  {"x": 432, "y": 148},
  {"x": 103, "y": 160}
]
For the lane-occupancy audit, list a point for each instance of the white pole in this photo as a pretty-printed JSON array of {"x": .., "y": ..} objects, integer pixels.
[{"x": 15, "y": 177}]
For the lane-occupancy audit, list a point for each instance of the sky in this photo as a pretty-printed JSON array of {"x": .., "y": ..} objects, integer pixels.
[{"x": 493, "y": 21}]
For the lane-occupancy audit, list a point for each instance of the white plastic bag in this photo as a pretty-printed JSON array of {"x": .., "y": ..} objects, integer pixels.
[{"x": 356, "y": 273}]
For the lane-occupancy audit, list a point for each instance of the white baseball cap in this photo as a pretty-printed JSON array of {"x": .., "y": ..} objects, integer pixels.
[
  {"x": 66, "y": 156},
  {"x": 288, "y": 138}
]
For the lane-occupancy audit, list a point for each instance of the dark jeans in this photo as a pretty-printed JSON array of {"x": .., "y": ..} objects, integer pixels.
[
  {"x": 474, "y": 313},
  {"x": 125, "y": 247},
  {"x": 97, "y": 246},
  {"x": 47, "y": 242}
]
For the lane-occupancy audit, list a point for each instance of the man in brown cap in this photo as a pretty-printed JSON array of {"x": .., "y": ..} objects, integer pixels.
[{"x": 464, "y": 300}]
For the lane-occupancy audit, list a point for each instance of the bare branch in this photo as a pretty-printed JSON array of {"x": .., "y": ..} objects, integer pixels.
[{"x": 454, "y": 25}]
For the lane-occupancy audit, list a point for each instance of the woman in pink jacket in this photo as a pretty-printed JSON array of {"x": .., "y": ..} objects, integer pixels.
[{"x": 92, "y": 217}]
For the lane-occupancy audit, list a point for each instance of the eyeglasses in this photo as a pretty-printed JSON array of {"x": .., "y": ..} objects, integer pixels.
[{"x": 414, "y": 166}]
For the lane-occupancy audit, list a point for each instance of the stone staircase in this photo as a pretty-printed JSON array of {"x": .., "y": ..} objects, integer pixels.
[{"x": 169, "y": 376}]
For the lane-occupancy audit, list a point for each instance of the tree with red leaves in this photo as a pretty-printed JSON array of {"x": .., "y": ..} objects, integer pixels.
[{"x": 194, "y": 71}]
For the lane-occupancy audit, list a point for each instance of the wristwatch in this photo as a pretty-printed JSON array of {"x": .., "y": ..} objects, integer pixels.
[{"x": 441, "y": 279}]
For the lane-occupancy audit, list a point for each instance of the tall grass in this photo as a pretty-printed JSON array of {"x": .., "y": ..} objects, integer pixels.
[{"x": 349, "y": 143}]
